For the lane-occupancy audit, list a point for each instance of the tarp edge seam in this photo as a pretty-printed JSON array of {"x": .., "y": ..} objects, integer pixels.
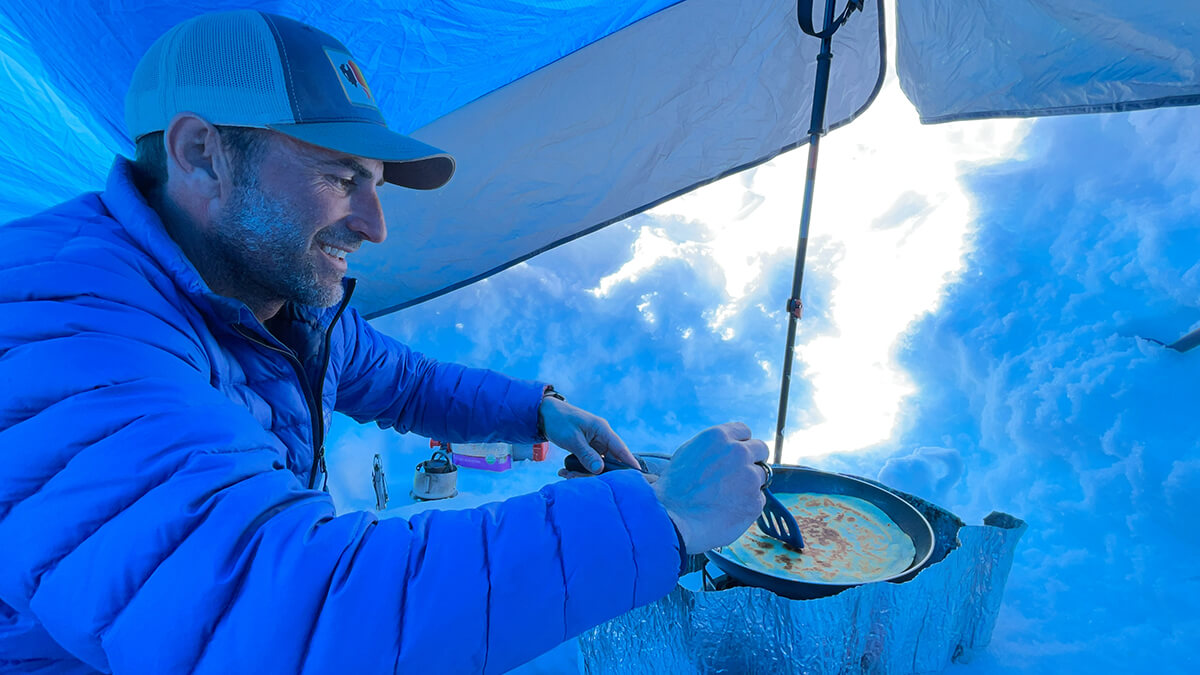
[{"x": 1116, "y": 107}]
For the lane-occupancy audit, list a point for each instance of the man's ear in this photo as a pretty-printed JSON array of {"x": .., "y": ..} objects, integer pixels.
[{"x": 199, "y": 171}]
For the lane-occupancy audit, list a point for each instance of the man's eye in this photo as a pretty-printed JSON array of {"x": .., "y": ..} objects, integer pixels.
[{"x": 346, "y": 184}]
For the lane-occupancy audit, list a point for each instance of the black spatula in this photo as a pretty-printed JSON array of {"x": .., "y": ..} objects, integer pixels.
[{"x": 776, "y": 521}]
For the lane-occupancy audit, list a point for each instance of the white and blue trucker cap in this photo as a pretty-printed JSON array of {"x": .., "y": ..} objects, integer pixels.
[{"x": 252, "y": 69}]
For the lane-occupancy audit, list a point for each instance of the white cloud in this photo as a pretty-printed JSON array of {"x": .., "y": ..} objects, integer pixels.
[
  {"x": 652, "y": 247},
  {"x": 645, "y": 308}
]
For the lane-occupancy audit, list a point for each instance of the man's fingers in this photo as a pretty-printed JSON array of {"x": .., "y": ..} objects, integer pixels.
[
  {"x": 758, "y": 450},
  {"x": 577, "y": 445},
  {"x": 608, "y": 442},
  {"x": 737, "y": 430},
  {"x": 588, "y": 437}
]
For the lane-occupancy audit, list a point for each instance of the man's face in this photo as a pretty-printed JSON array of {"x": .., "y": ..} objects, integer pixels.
[{"x": 294, "y": 218}]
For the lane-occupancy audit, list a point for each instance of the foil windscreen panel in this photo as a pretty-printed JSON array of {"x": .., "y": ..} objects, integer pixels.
[{"x": 942, "y": 616}]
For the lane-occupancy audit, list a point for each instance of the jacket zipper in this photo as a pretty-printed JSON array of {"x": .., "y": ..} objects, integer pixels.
[
  {"x": 315, "y": 409},
  {"x": 319, "y": 420}
]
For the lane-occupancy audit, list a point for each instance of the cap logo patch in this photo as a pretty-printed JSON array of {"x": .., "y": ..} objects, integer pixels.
[{"x": 351, "y": 76}]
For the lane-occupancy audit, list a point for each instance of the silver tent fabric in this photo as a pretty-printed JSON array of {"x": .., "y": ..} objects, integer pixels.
[
  {"x": 942, "y": 616},
  {"x": 975, "y": 59},
  {"x": 692, "y": 93}
]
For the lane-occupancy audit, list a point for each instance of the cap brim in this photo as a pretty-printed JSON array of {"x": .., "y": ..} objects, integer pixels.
[{"x": 406, "y": 161}]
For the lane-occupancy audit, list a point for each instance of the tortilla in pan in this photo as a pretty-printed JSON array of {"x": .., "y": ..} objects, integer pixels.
[{"x": 846, "y": 540}]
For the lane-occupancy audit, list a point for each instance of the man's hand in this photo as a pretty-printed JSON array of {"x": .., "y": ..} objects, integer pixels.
[
  {"x": 712, "y": 488},
  {"x": 582, "y": 434}
]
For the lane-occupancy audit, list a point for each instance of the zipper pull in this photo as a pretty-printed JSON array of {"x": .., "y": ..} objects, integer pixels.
[{"x": 324, "y": 471}]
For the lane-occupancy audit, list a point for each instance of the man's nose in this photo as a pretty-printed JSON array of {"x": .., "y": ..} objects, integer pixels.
[{"x": 367, "y": 217}]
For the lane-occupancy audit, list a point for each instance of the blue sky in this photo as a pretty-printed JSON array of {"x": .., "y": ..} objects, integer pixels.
[{"x": 1022, "y": 386}]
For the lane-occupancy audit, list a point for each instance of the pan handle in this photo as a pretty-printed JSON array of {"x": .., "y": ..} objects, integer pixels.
[{"x": 572, "y": 463}]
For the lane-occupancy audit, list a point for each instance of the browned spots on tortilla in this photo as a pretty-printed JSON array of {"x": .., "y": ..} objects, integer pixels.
[
  {"x": 814, "y": 529},
  {"x": 839, "y": 538}
]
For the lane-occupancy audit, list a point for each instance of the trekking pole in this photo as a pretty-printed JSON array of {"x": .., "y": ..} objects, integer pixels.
[{"x": 820, "y": 92}]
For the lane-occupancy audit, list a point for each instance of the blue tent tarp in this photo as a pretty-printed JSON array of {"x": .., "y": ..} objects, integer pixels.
[
  {"x": 563, "y": 116},
  {"x": 567, "y": 116}
]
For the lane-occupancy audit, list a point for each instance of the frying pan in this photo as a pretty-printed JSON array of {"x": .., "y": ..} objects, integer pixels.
[{"x": 798, "y": 479}]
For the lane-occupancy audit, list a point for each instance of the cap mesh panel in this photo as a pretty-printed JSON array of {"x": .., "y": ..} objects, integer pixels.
[
  {"x": 224, "y": 67},
  {"x": 206, "y": 56}
]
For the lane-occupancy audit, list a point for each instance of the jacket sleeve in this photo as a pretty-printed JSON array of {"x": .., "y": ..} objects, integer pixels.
[
  {"x": 149, "y": 524},
  {"x": 383, "y": 381}
]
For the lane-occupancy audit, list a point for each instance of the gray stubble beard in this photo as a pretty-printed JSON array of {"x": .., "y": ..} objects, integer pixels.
[{"x": 264, "y": 250}]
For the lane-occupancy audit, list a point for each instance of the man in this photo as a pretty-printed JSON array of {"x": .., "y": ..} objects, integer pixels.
[{"x": 172, "y": 350}]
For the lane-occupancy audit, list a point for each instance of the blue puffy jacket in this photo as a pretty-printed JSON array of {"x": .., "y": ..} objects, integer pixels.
[{"x": 157, "y": 513}]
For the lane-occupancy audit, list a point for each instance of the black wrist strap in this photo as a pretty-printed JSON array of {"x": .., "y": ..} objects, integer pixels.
[{"x": 548, "y": 392}]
